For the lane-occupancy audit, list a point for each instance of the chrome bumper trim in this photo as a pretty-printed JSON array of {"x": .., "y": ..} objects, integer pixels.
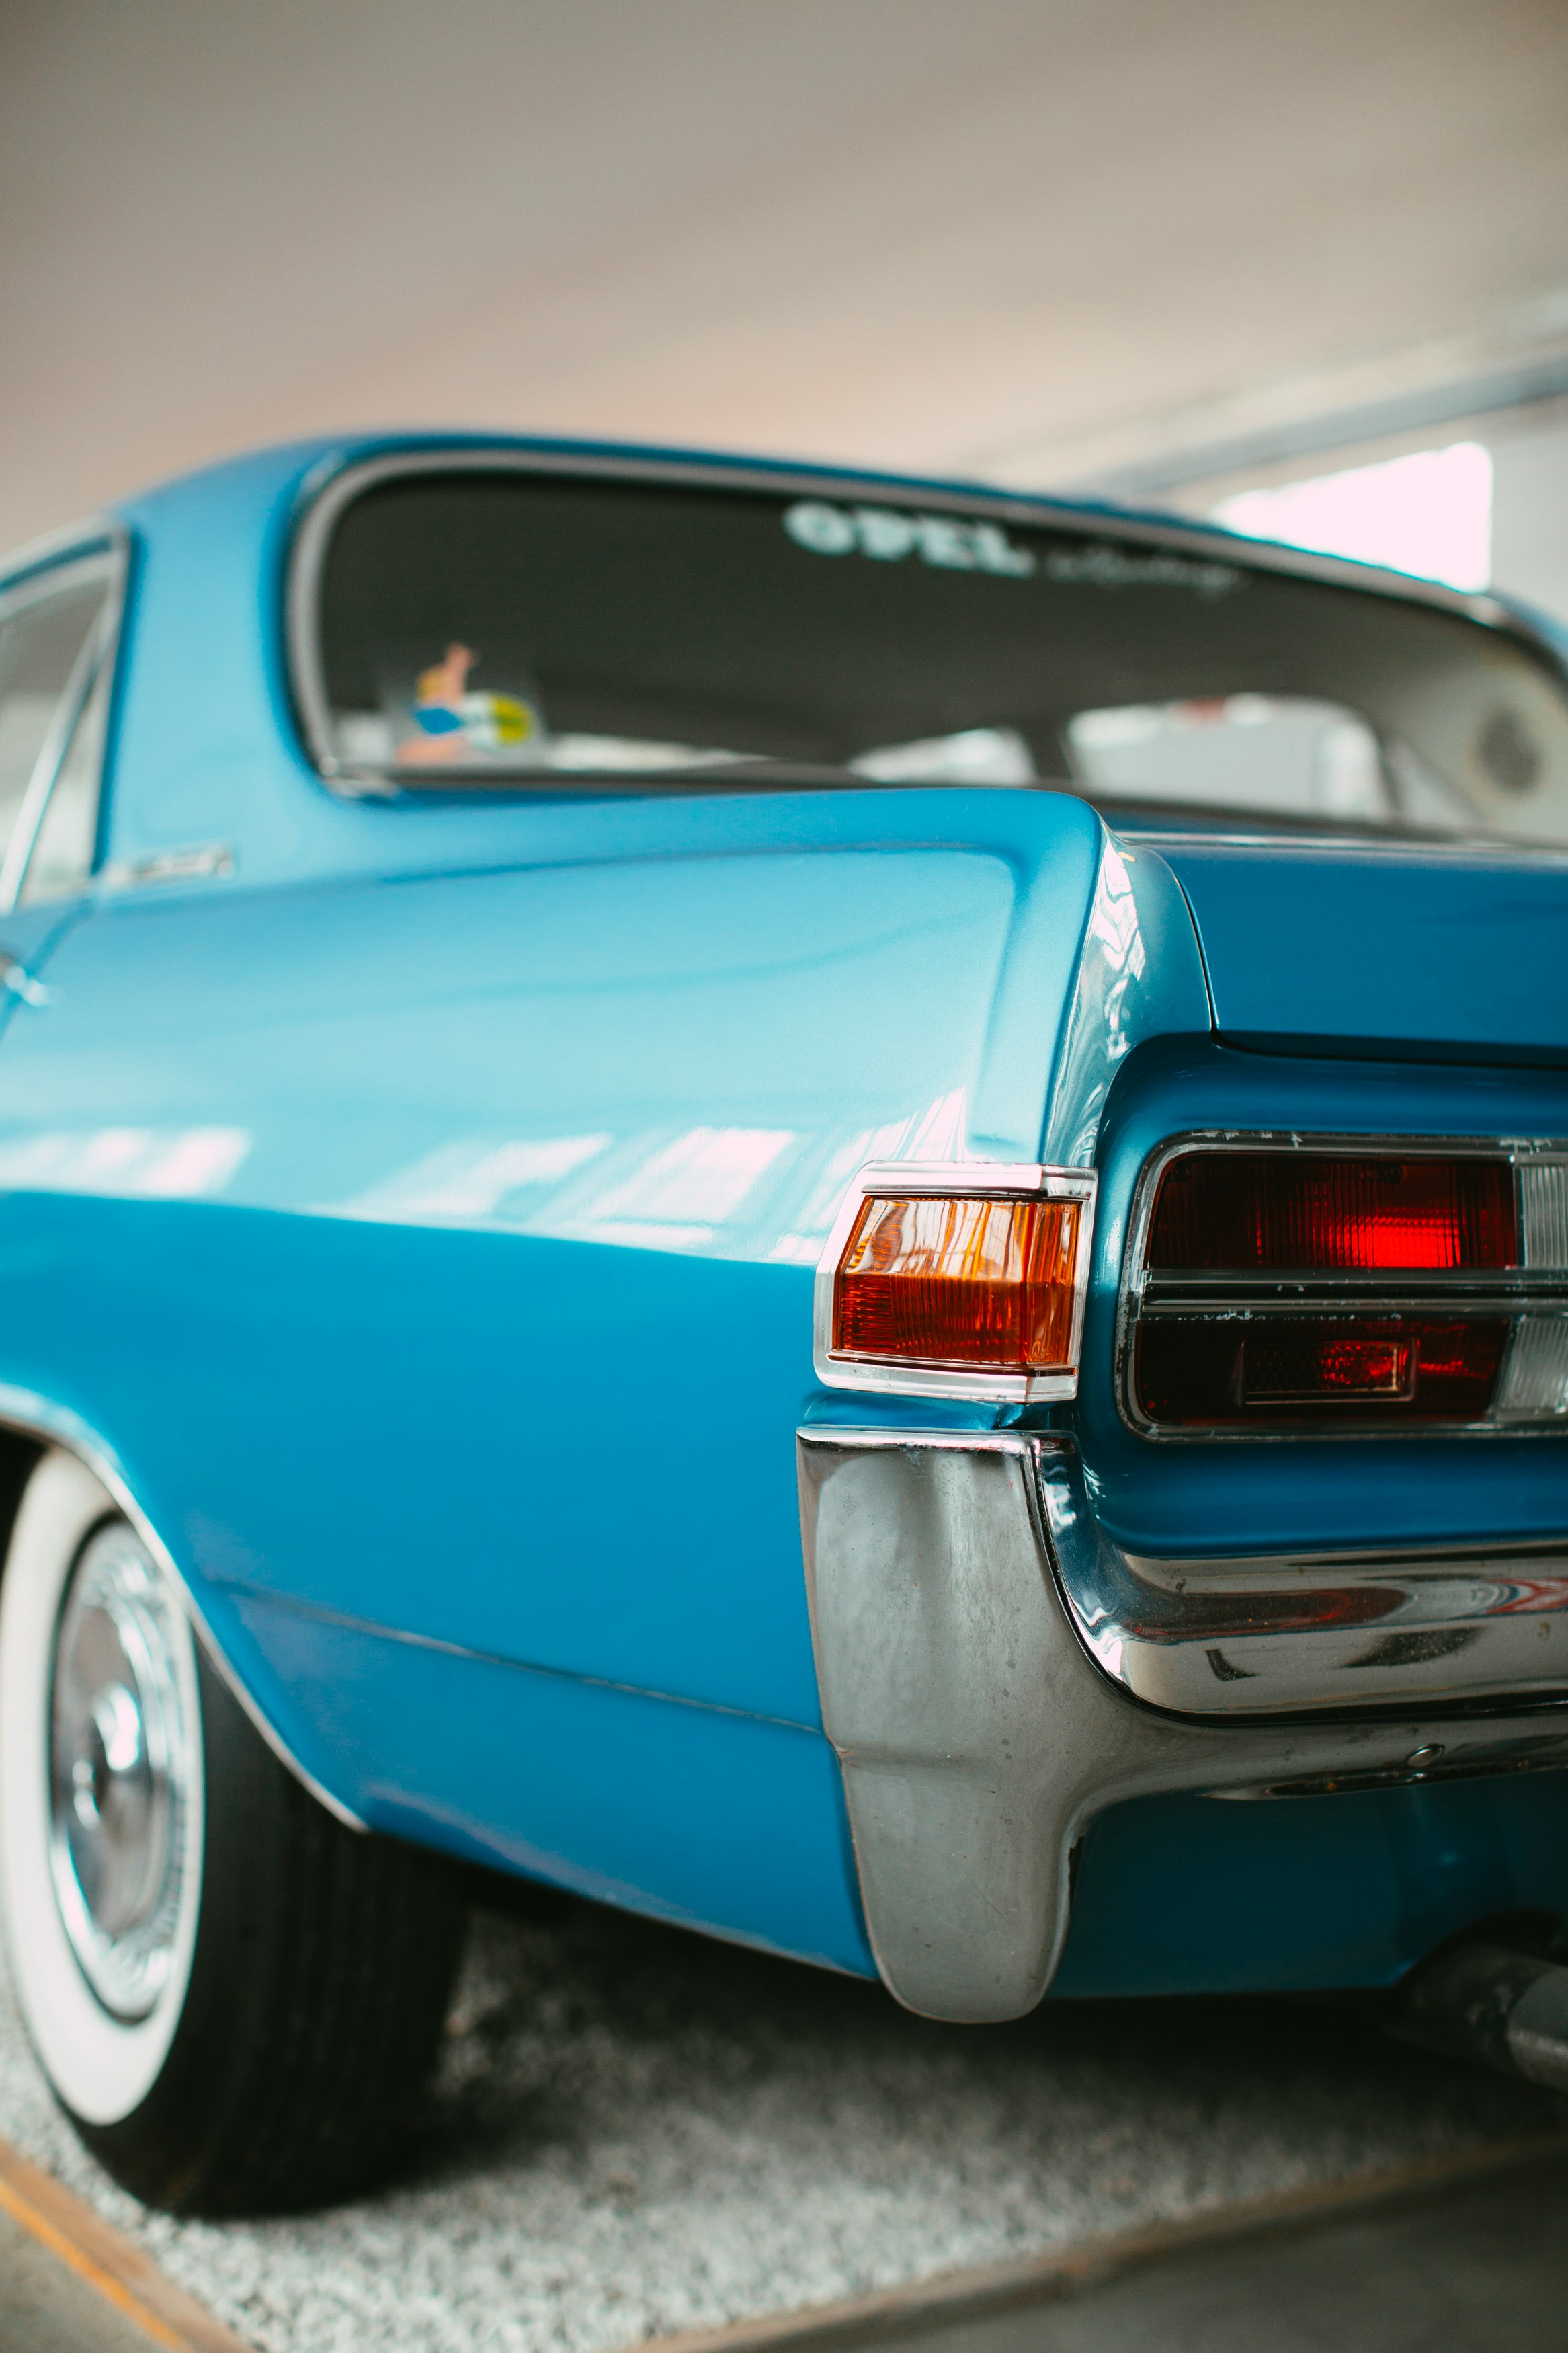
[
  {"x": 982, "y": 1722},
  {"x": 1292, "y": 1632}
]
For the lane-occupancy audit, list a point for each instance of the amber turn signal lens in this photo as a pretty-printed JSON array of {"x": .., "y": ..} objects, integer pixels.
[{"x": 943, "y": 1281}]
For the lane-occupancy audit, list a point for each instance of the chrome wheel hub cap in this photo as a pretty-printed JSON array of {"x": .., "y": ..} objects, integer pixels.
[{"x": 121, "y": 1771}]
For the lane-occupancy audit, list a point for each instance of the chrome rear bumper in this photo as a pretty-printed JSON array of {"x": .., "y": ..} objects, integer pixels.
[{"x": 994, "y": 1672}]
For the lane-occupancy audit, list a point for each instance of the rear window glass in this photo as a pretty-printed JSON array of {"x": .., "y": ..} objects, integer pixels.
[{"x": 477, "y": 629}]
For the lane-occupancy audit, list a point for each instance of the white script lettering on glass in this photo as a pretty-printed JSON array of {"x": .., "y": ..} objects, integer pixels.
[
  {"x": 957, "y": 543},
  {"x": 1118, "y": 567},
  {"x": 952, "y": 543}
]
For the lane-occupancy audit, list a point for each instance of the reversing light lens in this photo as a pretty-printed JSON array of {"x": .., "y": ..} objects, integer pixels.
[
  {"x": 943, "y": 1281},
  {"x": 1534, "y": 1384},
  {"x": 1245, "y": 1210}
]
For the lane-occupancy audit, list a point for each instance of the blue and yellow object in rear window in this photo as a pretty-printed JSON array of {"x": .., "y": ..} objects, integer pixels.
[{"x": 453, "y": 721}]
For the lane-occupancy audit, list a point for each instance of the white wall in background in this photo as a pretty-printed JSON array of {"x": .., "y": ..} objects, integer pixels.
[
  {"x": 1429, "y": 511},
  {"x": 1530, "y": 512},
  {"x": 1421, "y": 509}
]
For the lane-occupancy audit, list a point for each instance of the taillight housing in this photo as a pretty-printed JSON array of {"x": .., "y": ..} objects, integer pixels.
[
  {"x": 959, "y": 1279},
  {"x": 1344, "y": 1284}
]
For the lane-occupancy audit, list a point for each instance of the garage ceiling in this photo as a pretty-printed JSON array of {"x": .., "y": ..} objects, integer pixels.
[{"x": 1044, "y": 238}]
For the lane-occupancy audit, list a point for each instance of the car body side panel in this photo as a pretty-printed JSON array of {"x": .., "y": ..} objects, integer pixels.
[
  {"x": 343, "y": 1416},
  {"x": 482, "y": 1184},
  {"x": 436, "y": 1257},
  {"x": 713, "y": 1819}
]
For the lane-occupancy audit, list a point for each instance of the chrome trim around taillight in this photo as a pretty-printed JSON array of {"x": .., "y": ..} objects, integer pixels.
[
  {"x": 1534, "y": 1291},
  {"x": 978, "y": 1180}
]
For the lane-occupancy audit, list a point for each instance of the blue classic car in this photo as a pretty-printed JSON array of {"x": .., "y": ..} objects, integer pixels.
[{"x": 801, "y": 1200}]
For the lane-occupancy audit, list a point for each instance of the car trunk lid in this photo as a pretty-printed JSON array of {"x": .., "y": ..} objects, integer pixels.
[{"x": 1381, "y": 948}]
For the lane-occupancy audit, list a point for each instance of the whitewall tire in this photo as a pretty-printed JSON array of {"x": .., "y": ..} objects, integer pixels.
[
  {"x": 103, "y": 2055},
  {"x": 234, "y": 1997}
]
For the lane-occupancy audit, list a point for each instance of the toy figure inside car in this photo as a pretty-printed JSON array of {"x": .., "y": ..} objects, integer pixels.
[{"x": 801, "y": 1200}]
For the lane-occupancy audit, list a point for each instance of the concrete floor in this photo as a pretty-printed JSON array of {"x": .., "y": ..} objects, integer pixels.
[
  {"x": 1479, "y": 2268},
  {"x": 1482, "y": 2267},
  {"x": 46, "y": 2308},
  {"x": 638, "y": 2132}
]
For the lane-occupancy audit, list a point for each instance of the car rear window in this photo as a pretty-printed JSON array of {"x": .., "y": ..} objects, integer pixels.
[{"x": 477, "y": 628}]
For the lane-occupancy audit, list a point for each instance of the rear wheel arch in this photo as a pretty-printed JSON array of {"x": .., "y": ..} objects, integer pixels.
[
  {"x": 32, "y": 1429},
  {"x": 272, "y": 2053}
]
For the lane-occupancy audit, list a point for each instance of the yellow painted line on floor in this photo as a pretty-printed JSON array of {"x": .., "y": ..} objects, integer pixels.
[
  {"x": 38, "y": 2226},
  {"x": 120, "y": 2272}
]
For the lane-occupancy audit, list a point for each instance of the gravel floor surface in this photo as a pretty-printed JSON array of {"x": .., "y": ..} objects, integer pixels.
[{"x": 638, "y": 2131}]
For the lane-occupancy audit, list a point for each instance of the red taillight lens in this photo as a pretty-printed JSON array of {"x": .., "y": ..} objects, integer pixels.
[
  {"x": 940, "y": 1280},
  {"x": 1242, "y": 1211}
]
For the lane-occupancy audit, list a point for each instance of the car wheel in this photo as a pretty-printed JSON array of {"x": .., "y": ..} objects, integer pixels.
[{"x": 236, "y": 1998}]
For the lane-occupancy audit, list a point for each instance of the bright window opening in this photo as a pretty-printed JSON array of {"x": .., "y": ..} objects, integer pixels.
[{"x": 1430, "y": 513}]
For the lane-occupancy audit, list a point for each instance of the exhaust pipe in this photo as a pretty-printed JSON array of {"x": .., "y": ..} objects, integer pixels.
[{"x": 1480, "y": 2001}]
